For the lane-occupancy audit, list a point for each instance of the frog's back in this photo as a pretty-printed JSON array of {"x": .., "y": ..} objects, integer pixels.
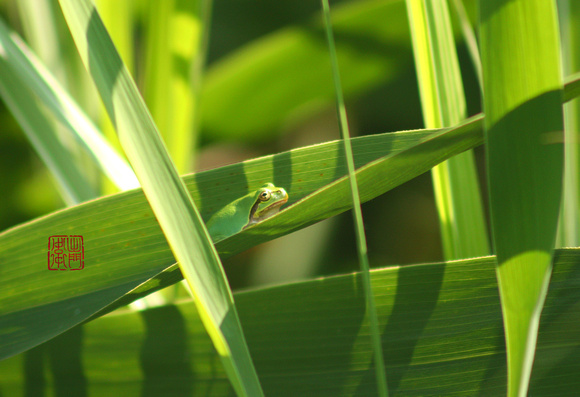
[{"x": 228, "y": 220}]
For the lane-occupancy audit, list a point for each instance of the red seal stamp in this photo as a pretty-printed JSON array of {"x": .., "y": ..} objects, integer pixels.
[{"x": 66, "y": 253}]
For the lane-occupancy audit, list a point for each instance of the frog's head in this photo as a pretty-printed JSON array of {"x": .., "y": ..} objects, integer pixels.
[{"x": 267, "y": 202}]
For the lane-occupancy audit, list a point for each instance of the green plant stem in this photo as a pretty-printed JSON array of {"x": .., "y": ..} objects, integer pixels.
[{"x": 357, "y": 212}]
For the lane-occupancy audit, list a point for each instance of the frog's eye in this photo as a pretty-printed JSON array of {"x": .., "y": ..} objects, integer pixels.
[{"x": 264, "y": 196}]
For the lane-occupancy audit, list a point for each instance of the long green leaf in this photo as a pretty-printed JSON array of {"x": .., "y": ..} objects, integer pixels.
[
  {"x": 124, "y": 245},
  {"x": 166, "y": 193},
  {"x": 569, "y": 235},
  {"x": 361, "y": 240},
  {"x": 75, "y": 186},
  {"x": 40, "y": 27},
  {"x": 31, "y": 73},
  {"x": 457, "y": 194},
  {"x": 176, "y": 38},
  {"x": 469, "y": 36},
  {"x": 441, "y": 329},
  {"x": 522, "y": 102},
  {"x": 120, "y": 20}
]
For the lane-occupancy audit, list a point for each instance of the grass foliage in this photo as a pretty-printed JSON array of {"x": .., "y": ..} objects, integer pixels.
[{"x": 188, "y": 85}]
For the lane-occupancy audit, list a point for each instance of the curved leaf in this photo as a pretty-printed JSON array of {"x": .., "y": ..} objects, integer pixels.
[
  {"x": 124, "y": 245},
  {"x": 173, "y": 207},
  {"x": 128, "y": 253}
]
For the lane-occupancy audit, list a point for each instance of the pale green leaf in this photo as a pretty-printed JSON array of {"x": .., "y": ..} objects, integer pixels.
[
  {"x": 173, "y": 207},
  {"x": 522, "y": 101},
  {"x": 455, "y": 182}
]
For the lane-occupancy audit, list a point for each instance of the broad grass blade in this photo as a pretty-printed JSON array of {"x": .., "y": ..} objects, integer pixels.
[
  {"x": 522, "y": 101},
  {"x": 173, "y": 207}
]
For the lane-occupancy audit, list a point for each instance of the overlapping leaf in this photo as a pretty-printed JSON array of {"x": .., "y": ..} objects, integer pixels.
[
  {"x": 173, "y": 207},
  {"x": 441, "y": 328},
  {"x": 523, "y": 127},
  {"x": 124, "y": 245}
]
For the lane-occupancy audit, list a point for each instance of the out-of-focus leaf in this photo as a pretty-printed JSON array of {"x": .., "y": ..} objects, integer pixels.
[
  {"x": 29, "y": 72},
  {"x": 285, "y": 77},
  {"x": 41, "y": 132}
]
